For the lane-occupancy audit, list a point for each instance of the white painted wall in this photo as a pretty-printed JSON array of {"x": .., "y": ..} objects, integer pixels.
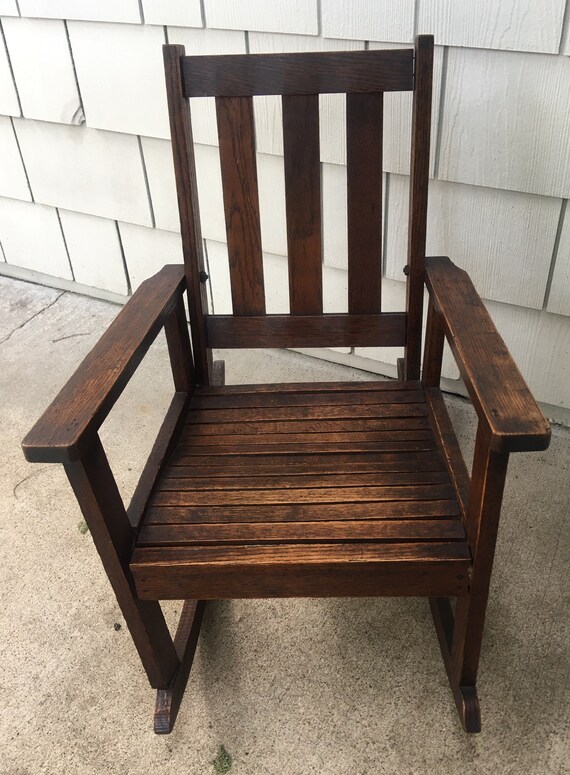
[{"x": 87, "y": 194}]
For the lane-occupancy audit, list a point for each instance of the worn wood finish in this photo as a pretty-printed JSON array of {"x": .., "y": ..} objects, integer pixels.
[
  {"x": 385, "y": 330},
  {"x": 298, "y": 74},
  {"x": 309, "y": 387},
  {"x": 68, "y": 425},
  {"x": 303, "y": 203},
  {"x": 433, "y": 349},
  {"x": 185, "y": 641},
  {"x": 466, "y": 699},
  {"x": 179, "y": 350},
  {"x": 241, "y": 203},
  {"x": 302, "y": 532},
  {"x": 164, "y": 444},
  {"x": 335, "y": 489},
  {"x": 449, "y": 446},
  {"x": 419, "y": 173},
  {"x": 113, "y": 536},
  {"x": 304, "y": 570},
  {"x": 322, "y": 398},
  {"x": 401, "y": 498},
  {"x": 288, "y": 512},
  {"x": 498, "y": 391},
  {"x": 187, "y": 193},
  {"x": 364, "y": 116}
]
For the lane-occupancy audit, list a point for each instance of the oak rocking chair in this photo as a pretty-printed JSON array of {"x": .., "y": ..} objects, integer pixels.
[{"x": 284, "y": 490}]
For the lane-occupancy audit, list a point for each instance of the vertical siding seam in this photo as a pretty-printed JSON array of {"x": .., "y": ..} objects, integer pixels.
[
  {"x": 319, "y": 19},
  {"x": 565, "y": 28},
  {"x": 416, "y": 18},
  {"x": 11, "y": 68},
  {"x": 246, "y": 38},
  {"x": 81, "y": 106},
  {"x": 207, "y": 263},
  {"x": 166, "y": 34},
  {"x": 141, "y": 11},
  {"x": 440, "y": 113},
  {"x": 18, "y": 7},
  {"x": 124, "y": 260},
  {"x": 385, "y": 222},
  {"x": 22, "y": 159},
  {"x": 147, "y": 184},
  {"x": 554, "y": 253},
  {"x": 203, "y": 13},
  {"x": 65, "y": 244}
]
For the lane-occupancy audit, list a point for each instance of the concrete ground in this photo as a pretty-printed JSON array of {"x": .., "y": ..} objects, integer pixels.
[{"x": 287, "y": 686}]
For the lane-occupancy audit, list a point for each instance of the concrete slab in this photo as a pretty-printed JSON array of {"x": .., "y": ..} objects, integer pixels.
[{"x": 291, "y": 686}]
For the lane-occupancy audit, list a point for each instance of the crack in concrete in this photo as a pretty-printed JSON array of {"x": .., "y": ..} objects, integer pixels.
[
  {"x": 36, "y": 472},
  {"x": 35, "y": 315},
  {"x": 69, "y": 336}
]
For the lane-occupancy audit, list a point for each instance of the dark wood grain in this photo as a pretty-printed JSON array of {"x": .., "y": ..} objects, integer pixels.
[
  {"x": 419, "y": 173},
  {"x": 498, "y": 391},
  {"x": 321, "y": 398},
  {"x": 284, "y": 481},
  {"x": 179, "y": 350},
  {"x": 241, "y": 203},
  {"x": 324, "y": 570},
  {"x": 314, "y": 73},
  {"x": 483, "y": 511},
  {"x": 367, "y": 425},
  {"x": 238, "y": 533},
  {"x": 188, "y": 208},
  {"x": 185, "y": 641},
  {"x": 163, "y": 445},
  {"x": 449, "y": 446},
  {"x": 433, "y": 349},
  {"x": 265, "y": 413},
  {"x": 364, "y": 123},
  {"x": 69, "y": 423},
  {"x": 385, "y": 330},
  {"x": 308, "y": 387},
  {"x": 410, "y": 509},
  {"x": 303, "y": 203},
  {"x": 97, "y": 494}
]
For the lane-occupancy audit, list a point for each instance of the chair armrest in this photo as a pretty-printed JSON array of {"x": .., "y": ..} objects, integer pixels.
[
  {"x": 64, "y": 430},
  {"x": 497, "y": 389}
]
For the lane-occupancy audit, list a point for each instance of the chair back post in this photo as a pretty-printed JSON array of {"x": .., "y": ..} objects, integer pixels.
[
  {"x": 419, "y": 175},
  {"x": 187, "y": 192}
]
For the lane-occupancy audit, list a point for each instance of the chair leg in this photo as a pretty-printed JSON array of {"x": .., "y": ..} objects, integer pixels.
[
  {"x": 185, "y": 641},
  {"x": 460, "y": 635},
  {"x": 465, "y": 696}
]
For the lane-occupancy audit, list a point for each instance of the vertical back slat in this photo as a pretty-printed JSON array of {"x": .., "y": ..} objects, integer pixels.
[
  {"x": 241, "y": 203},
  {"x": 419, "y": 172},
  {"x": 303, "y": 202},
  {"x": 364, "y": 194},
  {"x": 187, "y": 192}
]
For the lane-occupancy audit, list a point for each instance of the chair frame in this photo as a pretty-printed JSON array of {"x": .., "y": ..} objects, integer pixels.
[{"x": 509, "y": 419}]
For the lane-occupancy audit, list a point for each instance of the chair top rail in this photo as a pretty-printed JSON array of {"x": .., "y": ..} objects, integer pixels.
[{"x": 248, "y": 75}]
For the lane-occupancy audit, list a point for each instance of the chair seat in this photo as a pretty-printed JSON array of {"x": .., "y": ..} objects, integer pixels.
[{"x": 334, "y": 489}]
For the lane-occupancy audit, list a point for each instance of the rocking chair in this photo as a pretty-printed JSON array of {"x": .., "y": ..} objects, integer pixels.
[{"x": 285, "y": 490}]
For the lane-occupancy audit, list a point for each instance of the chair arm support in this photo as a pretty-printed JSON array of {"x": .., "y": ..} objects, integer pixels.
[
  {"x": 65, "y": 429},
  {"x": 497, "y": 389}
]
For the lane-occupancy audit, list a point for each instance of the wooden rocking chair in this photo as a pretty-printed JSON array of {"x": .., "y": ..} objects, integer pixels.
[{"x": 285, "y": 490}]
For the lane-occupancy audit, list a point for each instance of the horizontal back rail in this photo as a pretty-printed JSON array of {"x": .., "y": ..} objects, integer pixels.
[
  {"x": 384, "y": 330},
  {"x": 312, "y": 73}
]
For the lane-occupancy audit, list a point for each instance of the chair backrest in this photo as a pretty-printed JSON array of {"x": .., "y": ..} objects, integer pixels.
[{"x": 234, "y": 80}]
